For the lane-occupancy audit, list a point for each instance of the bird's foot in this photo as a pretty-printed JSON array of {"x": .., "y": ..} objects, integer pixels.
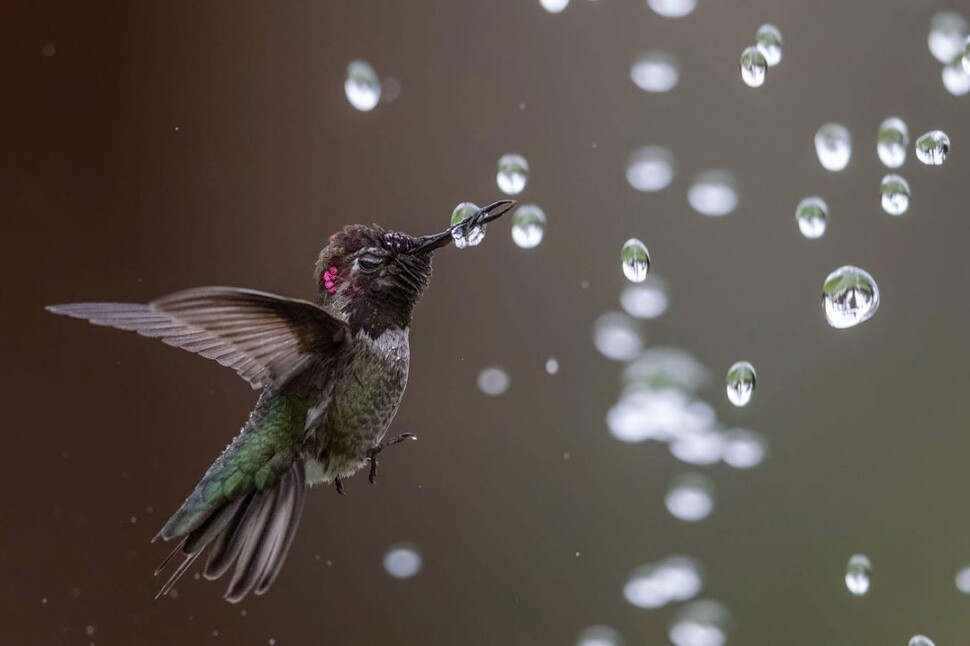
[
  {"x": 372, "y": 454},
  {"x": 338, "y": 483}
]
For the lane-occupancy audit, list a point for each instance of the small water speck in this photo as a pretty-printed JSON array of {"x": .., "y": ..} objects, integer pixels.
[
  {"x": 599, "y": 636},
  {"x": 89, "y": 631},
  {"x": 647, "y": 300},
  {"x": 690, "y": 497},
  {"x": 554, "y": 6},
  {"x": 650, "y": 169}
]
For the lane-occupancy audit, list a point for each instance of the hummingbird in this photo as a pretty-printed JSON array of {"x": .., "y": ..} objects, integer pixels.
[{"x": 330, "y": 376}]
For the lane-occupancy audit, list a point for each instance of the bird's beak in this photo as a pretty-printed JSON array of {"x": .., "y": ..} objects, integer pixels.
[{"x": 483, "y": 216}]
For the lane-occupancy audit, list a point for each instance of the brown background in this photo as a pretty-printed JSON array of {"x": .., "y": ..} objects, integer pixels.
[{"x": 167, "y": 145}]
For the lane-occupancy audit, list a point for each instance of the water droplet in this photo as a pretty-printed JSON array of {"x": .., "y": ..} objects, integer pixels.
[
  {"x": 48, "y": 50},
  {"x": 743, "y": 449},
  {"x": 650, "y": 169},
  {"x": 528, "y": 226},
  {"x": 701, "y": 446},
  {"x": 493, "y": 381},
  {"x": 857, "y": 574},
  {"x": 513, "y": 171},
  {"x": 702, "y": 623},
  {"x": 895, "y": 194},
  {"x": 617, "y": 336},
  {"x": 956, "y": 80},
  {"x": 963, "y": 580},
  {"x": 461, "y": 237},
  {"x": 648, "y": 300},
  {"x": 713, "y": 194},
  {"x": 672, "y": 8},
  {"x": 402, "y": 561},
  {"x": 892, "y": 141},
  {"x": 654, "y": 414},
  {"x": 965, "y": 60},
  {"x": 812, "y": 216},
  {"x": 690, "y": 497},
  {"x": 362, "y": 87},
  {"x": 655, "y": 72},
  {"x": 666, "y": 368},
  {"x": 933, "y": 147},
  {"x": 754, "y": 67},
  {"x": 89, "y": 630},
  {"x": 768, "y": 42},
  {"x": 921, "y": 640},
  {"x": 635, "y": 260},
  {"x": 653, "y": 585},
  {"x": 599, "y": 636},
  {"x": 741, "y": 379},
  {"x": 849, "y": 297},
  {"x": 554, "y": 6},
  {"x": 552, "y": 365},
  {"x": 833, "y": 145},
  {"x": 948, "y": 31}
]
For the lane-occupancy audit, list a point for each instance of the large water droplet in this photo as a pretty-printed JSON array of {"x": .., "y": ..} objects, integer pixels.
[
  {"x": 921, "y": 640},
  {"x": 892, "y": 140},
  {"x": 741, "y": 380},
  {"x": 672, "y": 8},
  {"x": 554, "y": 6},
  {"x": 462, "y": 237},
  {"x": 768, "y": 42},
  {"x": 528, "y": 226},
  {"x": 635, "y": 260},
  {"x": 713, "y": 194},
  {"x": 849, "y": 296},
  {"x": 552, "y": 365},
  {"x": 493, "y": 381},
  {"x": 653, "y": 585},
  {"x": 650, "y": 169},
  {"x": 362, "y": 87},
  {"x": 833, "y": 145},
  {"x": 754, "y": 67},
  {"x": 599, "y": 636},
  {"x": 743, "y": 449},
  {"x": 948, "y": 31},
  {"x": 513, "y": 171},
  {"x": 655, "y": 72},
  {"x": 933, "y": 147},
  {"x": 690, "y": 497},
  {"x": 402, "y": 561},
  {"x": 617, "y": 336},
  {"x": 812, "y": 216},
  {"x": 962, "y": 580},
  {"x": 857, "y": 574},
  {"x": 647, "y": 300},
  {"x": 894, "y": 192},
  {"x": 956, "y": 80},
  {"x": 702, "y": 623}
]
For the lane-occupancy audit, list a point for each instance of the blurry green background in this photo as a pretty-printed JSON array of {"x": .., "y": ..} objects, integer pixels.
[{"x": 165, "y": 145}]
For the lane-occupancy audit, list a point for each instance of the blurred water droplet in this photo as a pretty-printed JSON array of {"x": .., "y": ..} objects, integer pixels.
[
  {"x": 701, "y": 446},
  {"x": 402, "y": 561},
  {"x": 653, "y": 585},
  {"x": 962, "y": 580},
  {"x": 956, "y": 80},
  {"x": 650, "y": 169},
  {"x": 768, "y": 42},
  {"x": 921, "y": 640},
  {"x": 672, "y": 8},
  {"x": 461, "y": 237},
  {"x": 833, "y": 145},
  {"x": 754, "y": 67},
  {"x": 894, "y": 194},
  {"x": 690, "y": 497},
  {"x": 933, "y": 147},
  {"x": 635, "y": 260},
  {"x": 617, "y": 336},
  {"x": 948, "y": 31},
  {"x": 528, "y": 226},
  {"x": 659, "y": 368},
  {"x": 655, "y": 72},
  {"x": 554, "y": 6},
  {"x": 857, "y": 574},
  {"x": 849, "y": 296},
  {"x": 892, "y": 140},
  {"x": 741, "y": 381},
  {"x": 362, "y": 87},
  {"x": 647, "y": 300},
  {"x": 743, "y": 449},
  {"x": 513, "y": 172},
  {"x": 552, "y": 365},
  {"x": 812, "y": 216},
  {"x": 713, "y": 194},
  {"x": 48, "y": 50},
  {"x": 89, "y": 630},
  {"x": 702, "y": 623},
  {"x": 599, "y": 636},
  {"x": 493, "y": 381},
  {"x": 965, "y": 60}
]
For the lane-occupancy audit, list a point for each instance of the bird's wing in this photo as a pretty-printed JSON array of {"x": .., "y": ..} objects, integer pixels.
[{"x": 263, "y": 337}]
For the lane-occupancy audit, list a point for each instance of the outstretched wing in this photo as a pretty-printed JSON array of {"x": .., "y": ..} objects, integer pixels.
[{"x": 263, "y": 337}]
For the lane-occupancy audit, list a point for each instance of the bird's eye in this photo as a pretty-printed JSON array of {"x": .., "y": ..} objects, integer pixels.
[{"x": 369, "y": 262}]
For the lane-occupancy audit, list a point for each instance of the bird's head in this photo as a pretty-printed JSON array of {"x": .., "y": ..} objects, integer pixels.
[{"x": 372, "y": 278}]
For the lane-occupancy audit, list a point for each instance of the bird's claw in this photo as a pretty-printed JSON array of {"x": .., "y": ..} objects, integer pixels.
[
  {"x": 372, "y": 454},
  {"x": 340, "y": 486}
]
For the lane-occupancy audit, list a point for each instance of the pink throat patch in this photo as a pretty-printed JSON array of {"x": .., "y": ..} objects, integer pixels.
[{"x": 330, "y": 279}]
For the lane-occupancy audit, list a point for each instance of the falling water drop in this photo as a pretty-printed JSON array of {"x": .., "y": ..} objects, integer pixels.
[
  {"x": 648, "y": 300},
  {"x": 635, "y": 260},
  {"x": 892, "y": 141},
  {"x": 833, "y": 145},
  {"x": 857, "y": 574},
  {"x": 528, "y": 226},
  {"x": 554, "y": 6},
  {"x": 650, "y": 169},
  {"x": 741, "y": 380},
  {"x": 493, "y": 381},
  {"x": 701, "y": 623},
  {"x": 768, "y": 42},
  {"x": 655, "y": 72},
  {"x": 672, "y": 8},
  {"x": 713, "y": 194},
  {"x": 743, "y": 449},
  {"x": 690, "y": 497},
  {"x": 402, "y": 561},
  {"x": 812, "y": 216},
  {"x": 894, "y": 192},
  {"x": 956, "y": 80},
  {"x": 962, "y": 580},
  {"x": 513, "y": 171},
  {"x": 849, "y": 297},
  {"x": 552, "y": 365},
  {"x": 948, "y": 31},
  {"x": 965, "y": 60},
  {"x": 921, "y": 640},
  {"x": 461, "y": 237},
  {"x": 599, "y": 636},
  {"x": 754, "y": 67},
  {"x": 362, "y": 87},
  {"x": 933, "y": 147},
  {"x": 617, "y": 336}
]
